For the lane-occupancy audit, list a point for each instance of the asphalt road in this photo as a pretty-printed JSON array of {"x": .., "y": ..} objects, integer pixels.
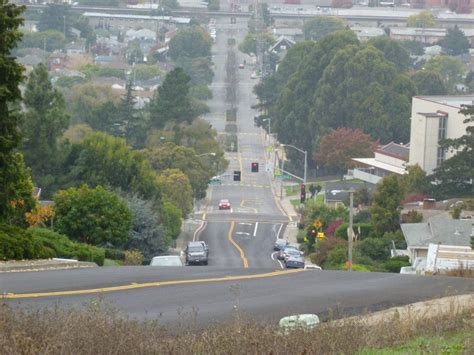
[{"x": 241, "y": 273}]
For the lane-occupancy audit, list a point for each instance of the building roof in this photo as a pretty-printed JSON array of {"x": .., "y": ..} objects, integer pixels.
[
  {"x": 452, "y": 100},
  {"x": 337, "y": 191},
  {"x": 438, "y": 231},
  {"x": 365, "y": 32},
  {"x": 378, "y": 164},
  {"x": 281, "y": 40},
  {"x": 401, "y": 151}
]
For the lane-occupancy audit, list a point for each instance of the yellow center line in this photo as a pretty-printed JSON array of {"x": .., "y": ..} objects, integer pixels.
[
  {"x": 135, "y": 286},
  {"x": 237, "y": 246}
]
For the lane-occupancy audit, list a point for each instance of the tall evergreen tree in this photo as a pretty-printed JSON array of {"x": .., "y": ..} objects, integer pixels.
[
  {"x": 455, "y": 42},
  {"x": 44, "y": 122},
  {"x": 15, "y": 182},
  {"x": 171, "y": 102}
]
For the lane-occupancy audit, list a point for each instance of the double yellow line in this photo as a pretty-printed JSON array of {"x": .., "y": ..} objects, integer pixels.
[
  {"x": 237, "y": 246},
  {"x": 135, "y": 286}
]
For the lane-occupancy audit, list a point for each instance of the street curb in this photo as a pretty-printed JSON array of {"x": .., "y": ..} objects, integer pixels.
[{"x": 47, "y": 266}]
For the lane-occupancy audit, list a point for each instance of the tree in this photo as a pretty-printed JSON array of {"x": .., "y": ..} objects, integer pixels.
[
  {"x": 171, "y": 219},
  {"x": 291, "y": 116},
  {"x": 16, "y": 189},
  {"x": 413, "y": 47},
  {"x": 249, "y": 44},
  {"x": 424, "y": 19},
  {"x": 176, "y": 189},
  {"x": 92, "y": 216},
  {"x": 429, "y": 83},
  {"x": 455, "y": 42},
  {"x": 191, "y": 43},
  {"x": 415, "y": 181},
  {"x": 44, "y": 122},
  {"x": 101, "y": 159},
  {"x": 454, "y": 177},
  {"x": 56, "y": 17},
  {"x": 393, "y": 51},
  {"x": 385, "y": 209},
  {"x": 95, "y": 105},
  {"x": 360, "y": 89},
  {"x": 170, "y": 4},
  {"x": 337, "y": 148},
  {"x": 146, "y": 234},
  {"x": 172, "y": 156},
  {"x": 450, "y": 69},
  {"x": 316, "y": 28},
  {"x": 198, "y": 69},
  {"x": 171, "y": 102},
  {"x": 213, "y": 5},
  {"x": 49, "y": 40}
]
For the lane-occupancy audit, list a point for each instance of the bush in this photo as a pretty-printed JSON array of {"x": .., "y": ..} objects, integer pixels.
[
  {"x": 323, "y": 248},
  {"x": 396, "y": 263},
  {"x": 362, "y": 217},
  {"x": 374, "y": 248},
  {"x": 63, "y": 247},
  {"x": 17, "y": 244},
  {"x": 366, "y": 230},
  {"x": 114, "y": 254},
  {"x": 337, "y": 256},
  {"x": 133, "y": 257}
]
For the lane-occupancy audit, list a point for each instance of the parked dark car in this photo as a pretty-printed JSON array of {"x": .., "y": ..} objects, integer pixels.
[
  {"x": 289, "y": 249},
  {"x": 280, "y": 244},
  {"x": 294, "y": 261}
]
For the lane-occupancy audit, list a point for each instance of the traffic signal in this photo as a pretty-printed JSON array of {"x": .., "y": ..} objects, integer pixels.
[
  {"x": 254, "y": 167},
  {"x": 303, "y": 193},
  {"x": 237, "y": 175}
]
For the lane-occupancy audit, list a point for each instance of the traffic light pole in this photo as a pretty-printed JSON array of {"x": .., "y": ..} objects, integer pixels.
[
  {"x": 350, "y": 232},
  {"x": 305, "y": 152}
]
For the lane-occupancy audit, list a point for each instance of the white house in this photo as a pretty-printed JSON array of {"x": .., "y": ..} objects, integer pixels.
[
  {"x": 444, "y": 231},
  {"x": 434, "y": 118},
  {"x": 388, "y": 159}
]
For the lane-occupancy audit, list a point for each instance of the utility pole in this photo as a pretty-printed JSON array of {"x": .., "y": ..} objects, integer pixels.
[
  {"x": 259, "y": 32},
  {"x": 350, "y": 231},
  {"x": 305, "y": 165},
  {"x": 282, "y": 172}
]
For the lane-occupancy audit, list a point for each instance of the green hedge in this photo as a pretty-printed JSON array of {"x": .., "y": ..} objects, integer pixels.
[
  {"x": 114, "y": 254},
  {"x": 17, "y": 244},
  {"x": 63, "y": 247},
  {"x": 396, "y": 263},
  {"x": 366, "y": 230}
]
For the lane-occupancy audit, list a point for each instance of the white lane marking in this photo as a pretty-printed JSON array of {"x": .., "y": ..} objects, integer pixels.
[
  {"x": 279, "y": 230},
  {"x": 274, "y": 258},
  {"x": 244, "y": 233},
  {"x": 199, "y": 230},
  {"x": 255, "y": 230},
  {"x": 245, "y": 224}
]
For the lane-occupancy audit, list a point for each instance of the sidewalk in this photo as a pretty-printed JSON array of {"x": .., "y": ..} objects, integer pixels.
[{"x": 287, "y": 208}]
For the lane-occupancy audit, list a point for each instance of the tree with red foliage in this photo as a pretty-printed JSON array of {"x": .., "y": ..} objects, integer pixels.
[
  {"x": 331, "y": 229},
  {"x": 337, "y": 148}
]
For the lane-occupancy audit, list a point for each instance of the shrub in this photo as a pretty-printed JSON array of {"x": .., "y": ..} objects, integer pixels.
[
  {"x": 114, "y": 254},
  {"x": 63, "y": 247},
  {"x": 366, "y": 230},
  {"x": 337, "y": 256},
  {"x": 362, "y": 217},
  {"x": 323, "y": 248},
  {"x": 17, "y": 244},
  {"x": 331, "y": 229},
  {"x": 394, "y": 264},
  {"x": 133, "y": 257},
  {"x": 300, "y": 237},
  {"x": 374, "y": 248}
]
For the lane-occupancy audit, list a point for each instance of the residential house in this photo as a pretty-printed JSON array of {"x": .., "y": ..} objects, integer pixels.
[
  {"x": 141, "y": 35},
  {"x": 57, "y": 61},
  {"x": 293, "y": 34},
  {"x": 366, "y": 33},
  {"x": 336, "y": 193},
  {"x": 418, "y": 236},
  {"x": 434, "y": 118},
  {"x": 388, "y": 159},
  {"x": 76, "y": 47}
]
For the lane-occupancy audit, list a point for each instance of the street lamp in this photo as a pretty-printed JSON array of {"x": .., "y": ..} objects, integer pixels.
[{"x": 305, "y": 159}]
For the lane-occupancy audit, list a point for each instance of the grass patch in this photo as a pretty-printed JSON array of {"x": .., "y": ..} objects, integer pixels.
[
  {"x": 454, "y": 343},
  {"x": 292, "y": 190},
  {"x": 95, "y": 328},
  {"x": 111, "y": 262},
  {"x": 295, "y": 203}
]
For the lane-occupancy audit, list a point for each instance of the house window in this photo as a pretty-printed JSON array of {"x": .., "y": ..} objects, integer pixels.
[
  {"x": 442, "y": 127},
  {"x": 440, "y": 156}
]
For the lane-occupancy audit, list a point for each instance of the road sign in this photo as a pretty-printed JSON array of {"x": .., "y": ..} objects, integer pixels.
[
  {"x": 321, "y": 235},
  {"x": 270, "y": 148},
  {"x": 277, "y": 172},
  {"x": 317, "y": 224}
]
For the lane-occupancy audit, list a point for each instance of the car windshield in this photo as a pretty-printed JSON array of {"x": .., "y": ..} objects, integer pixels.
[
  {"x": 195, "y": 249},
  {"x": 167, "y": 261}
]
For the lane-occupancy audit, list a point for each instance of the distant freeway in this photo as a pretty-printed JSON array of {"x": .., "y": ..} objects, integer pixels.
[{"x": 355, "y": 15}]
